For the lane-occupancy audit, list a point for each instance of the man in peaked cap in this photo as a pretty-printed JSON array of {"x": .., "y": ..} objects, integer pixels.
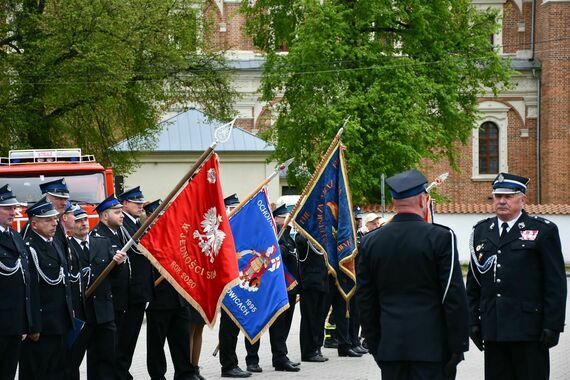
[
  {"x": 410, "y": 294},
  {"x": 231, "y": 202},
  {"x": 57, "y": 193},
  {"x": 141, "y": 285},
  {"x": 228, "y": 333},
  {"x": 516, "y": 286},
  {"x": 151, "y": 206},
  {"x": 45, "y": 358},
  {"x": 110, "y": 226},
  {"x": 279, "y": 330},
  {"x": 97, "y": 336},
  {"x": 18, "y": 293}
]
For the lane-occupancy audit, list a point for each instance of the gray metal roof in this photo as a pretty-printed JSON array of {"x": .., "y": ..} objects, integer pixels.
[{"x": 192, "y": 131}]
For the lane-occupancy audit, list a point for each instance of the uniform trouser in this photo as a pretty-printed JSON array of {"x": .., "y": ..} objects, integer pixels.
[
  {"x": 127, "y": 336},
  {"x": 516, "y": 361},
  {"x": 228, "y": 336},
  {"x": 313, "y": 314},
  {"x": 346, "y": 328},
  {"x": 10, "y": 346},
  {"x": 278, "y": 333},
  {"x": 99, "y": 342},
  {"x": 172, "y": 325},
  {"x": 354, "y": 323},
  {"x": 44, "y": 359},
  {"x": 409, "y": 370}
]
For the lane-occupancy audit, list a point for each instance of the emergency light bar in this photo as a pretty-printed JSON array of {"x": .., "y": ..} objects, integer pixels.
[{"x": 32, "y": 156}]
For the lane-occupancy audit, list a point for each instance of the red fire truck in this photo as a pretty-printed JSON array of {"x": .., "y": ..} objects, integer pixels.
[{"x": 89, "y": 182}]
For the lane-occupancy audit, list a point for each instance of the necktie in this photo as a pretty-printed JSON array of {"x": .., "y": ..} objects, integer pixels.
[
  {"x": 85, "y": 247},
  {"x": 504, "y": 228}
]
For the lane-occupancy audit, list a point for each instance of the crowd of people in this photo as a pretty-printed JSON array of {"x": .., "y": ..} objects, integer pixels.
[{"x": 412, "y": 310}]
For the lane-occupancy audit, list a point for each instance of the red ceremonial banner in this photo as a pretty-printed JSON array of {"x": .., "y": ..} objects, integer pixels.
[{"x": 192, "y": 245}]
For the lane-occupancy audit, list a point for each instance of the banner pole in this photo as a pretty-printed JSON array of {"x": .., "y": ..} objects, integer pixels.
[{"x": 222, "y": 134}]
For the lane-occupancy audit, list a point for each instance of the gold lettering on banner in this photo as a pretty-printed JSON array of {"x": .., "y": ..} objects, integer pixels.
[{"x": 191, "y": 263}]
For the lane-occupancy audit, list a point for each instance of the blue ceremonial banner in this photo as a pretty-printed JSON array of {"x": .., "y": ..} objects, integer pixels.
[
  {"x": 262, "y": 293},
  {"x": 325, "y": 219}
]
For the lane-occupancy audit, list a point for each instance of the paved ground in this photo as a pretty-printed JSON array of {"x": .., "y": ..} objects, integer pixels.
[{"x": 336, "y": 368}]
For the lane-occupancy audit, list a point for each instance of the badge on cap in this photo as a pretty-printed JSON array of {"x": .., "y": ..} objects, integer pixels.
[
  {"x": 8, "y": 188},
  {"x": 500, "y": 178}
]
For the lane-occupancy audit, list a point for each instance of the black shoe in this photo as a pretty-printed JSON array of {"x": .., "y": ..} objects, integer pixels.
[
  {"x": 317, "y": 358},
  {"x": 287, "y": 367},
  {"x": 235, "y": 372},
  {"x": 254, "y": 368},
  {"x": 350, "y": 353},
  {"x": 197, "y": 375},
  {"x": 331, "y": 343},
  {"x": 294, "y": 364},
  {"x": 360, "y": 350}
]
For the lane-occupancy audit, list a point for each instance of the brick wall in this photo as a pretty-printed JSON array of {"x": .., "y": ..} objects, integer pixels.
[
  {"x": 461, "y": 188},
  {"x": 233, "y": 38},
  {"x": 553, "y": 50}
]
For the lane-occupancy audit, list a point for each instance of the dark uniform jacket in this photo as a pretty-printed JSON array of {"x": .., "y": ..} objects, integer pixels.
[
  {"x": 167, "y": 298},
  {"x": 313, "y": 270},
  {"x": 119, "y": 283},
  {"x": 288, "y": 251},
  {"x": 19, "y": 301},
  {"x": 56, "y": 307},
  {"x": 141, "y": 288},
  {"x": 99, "y": 307},
  {"x": 524, "y": 290},
  {"x": 410, "y": 292}
]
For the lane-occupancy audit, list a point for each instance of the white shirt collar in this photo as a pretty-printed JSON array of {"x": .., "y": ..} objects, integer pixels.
[
  {"x": 511, "y": 222},
  {"x": 130, "y": 217},
  {"x": 81, "y": 241},
  {"x": 47, "y": 240}
]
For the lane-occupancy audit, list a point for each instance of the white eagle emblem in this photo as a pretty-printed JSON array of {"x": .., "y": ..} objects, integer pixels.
[{"x": 211, "y": 240}]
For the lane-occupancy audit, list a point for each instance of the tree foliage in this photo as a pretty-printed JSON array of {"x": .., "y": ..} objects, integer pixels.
[
  {"x": 89, "y": 73},
  {"x": 407, "y": 72}
]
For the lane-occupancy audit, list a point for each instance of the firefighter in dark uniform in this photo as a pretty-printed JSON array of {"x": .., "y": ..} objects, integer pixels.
[
  {"x": 410, "y": 290},
  {"x": 279, "y": 330},
  {"x": 516, "y": 286},
  {"x": 110, "y": 222},
  {"x": 57, "y": 193},
  {"x": 97, "y": 336},
  {"x": 168, "y": 318},
  {"x": 313, "y": 287},
  {"x": 141, "y": 285},
  {"x": 228, "y": 333},
  {"x": 19, "y": 300},
  {"x": 45, "y": 358}
]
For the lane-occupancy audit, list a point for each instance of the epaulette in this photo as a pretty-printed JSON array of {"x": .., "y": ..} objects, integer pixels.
[
  {"x": 541, "y": 219},
  {"x": 441, "y": 225},
  {"x": 482, "y": 221}
]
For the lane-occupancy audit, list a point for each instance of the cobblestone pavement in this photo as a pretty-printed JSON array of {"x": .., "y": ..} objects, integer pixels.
[{"x": 336, "y": 368}]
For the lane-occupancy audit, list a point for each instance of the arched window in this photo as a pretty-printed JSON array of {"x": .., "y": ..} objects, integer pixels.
[{"x": 489, "y": 148}]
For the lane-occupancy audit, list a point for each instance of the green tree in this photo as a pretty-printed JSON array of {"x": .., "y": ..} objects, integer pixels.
[
  {"x": 407, "y": 72},
  {"x": 89, "y": 73}
]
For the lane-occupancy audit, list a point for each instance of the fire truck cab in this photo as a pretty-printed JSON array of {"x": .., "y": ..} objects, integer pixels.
[{"x": 89, "y": 182}]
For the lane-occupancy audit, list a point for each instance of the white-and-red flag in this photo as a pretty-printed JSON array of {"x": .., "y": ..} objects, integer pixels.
[{"x": 192, "y": 245}]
